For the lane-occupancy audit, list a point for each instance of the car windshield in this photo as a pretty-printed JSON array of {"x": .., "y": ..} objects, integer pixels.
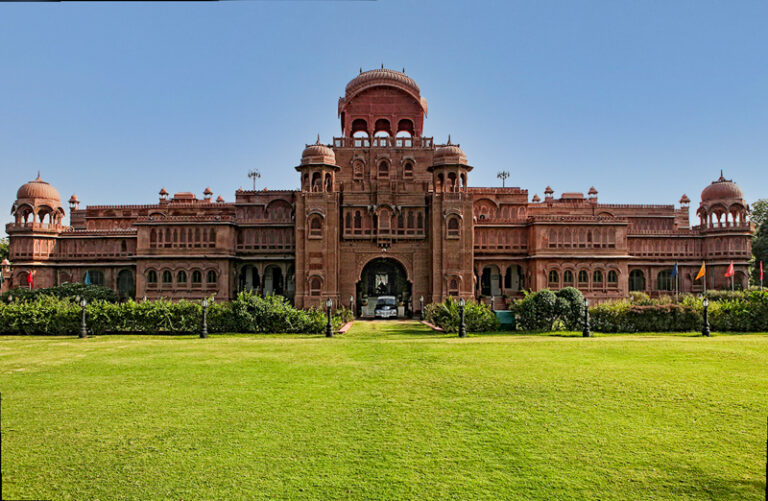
[{"x": 386, "y": 301}]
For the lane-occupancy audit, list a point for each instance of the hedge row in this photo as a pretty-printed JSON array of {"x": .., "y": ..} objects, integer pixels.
[
  {"x": 67, "y": 290},
  {"x": 728, "y": 312},
  {"x": 49, "y": 315},
  {"x": 477, "y": 317}
]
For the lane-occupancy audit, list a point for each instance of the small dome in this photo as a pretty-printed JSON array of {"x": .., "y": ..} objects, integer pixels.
[
  {"x": 73, "y": 199},
  {"x": 318, "y": 154},
  {"x": 536, "y": 198},
  {"x": 450, "y": 154},
  {"x": 208, "y": 191},
  {"x": 38, "y": 189},
  {"x": 684, "y": 200},
  {"x": 548, "y": 190},
  {"x": 163, "y": 192},
  {"x": 592, "y": 191},
  {"x": 220, "y": 199},
  {"x": 722, "y": 190}
]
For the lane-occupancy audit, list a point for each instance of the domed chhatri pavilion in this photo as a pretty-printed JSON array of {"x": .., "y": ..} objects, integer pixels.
[{"x": 382, "y": 210}]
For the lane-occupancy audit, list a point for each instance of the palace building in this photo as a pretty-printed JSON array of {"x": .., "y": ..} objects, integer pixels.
[{"x": 382, "y": 210}]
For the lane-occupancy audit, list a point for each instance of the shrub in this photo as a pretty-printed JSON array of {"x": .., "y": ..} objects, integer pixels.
[
  {"x": 477, "y": 317},
  {"x": 547, "y": 310}
]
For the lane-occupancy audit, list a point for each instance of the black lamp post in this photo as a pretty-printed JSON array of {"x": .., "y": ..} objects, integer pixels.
[
  {"x": 83, "y": 326},
  {"x": 328, "y": 326},
  {"x": 705, "y": 329},
  {"x": 462, "y": 324},
  {"x": 586, "y": 332},
  {"x": 421, "y": 307},
  {"x": 204, "y": 331}
]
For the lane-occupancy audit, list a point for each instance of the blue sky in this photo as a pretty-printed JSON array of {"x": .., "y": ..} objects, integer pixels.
[{"x": 645, "y": 100}]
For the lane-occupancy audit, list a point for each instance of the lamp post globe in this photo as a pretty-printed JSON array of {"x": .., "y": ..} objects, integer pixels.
[
  {"x": 462, "y": 323},
  {"x": 83, "y": 325},
  {"x": 328, "y": 326},
  {"x": 586, "y": 332},
  {"x": 705, "y": 329},
  {"x": 204, "y": 330}
]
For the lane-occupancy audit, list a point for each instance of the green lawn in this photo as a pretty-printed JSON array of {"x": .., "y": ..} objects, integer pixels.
[{"x": 387, "y": 411}]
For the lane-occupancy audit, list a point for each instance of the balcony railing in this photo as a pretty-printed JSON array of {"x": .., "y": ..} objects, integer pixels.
[{"x": 383, "y": 142}]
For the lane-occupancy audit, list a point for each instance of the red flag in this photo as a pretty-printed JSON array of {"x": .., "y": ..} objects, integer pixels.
[
  {"x": 30, "y": 280},
  {"x": 761, "y": 271},
  {"x": 730, "y": 271}
]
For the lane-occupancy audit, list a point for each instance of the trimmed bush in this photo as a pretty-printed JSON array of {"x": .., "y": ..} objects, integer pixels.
[{"x": 477, "y": 317}]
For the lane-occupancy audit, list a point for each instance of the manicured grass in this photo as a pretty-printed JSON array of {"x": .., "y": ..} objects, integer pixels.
[{"x": 388, "y": 411}]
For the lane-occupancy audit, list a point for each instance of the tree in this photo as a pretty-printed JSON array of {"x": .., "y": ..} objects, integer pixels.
[
  {"x": 759, "y": 212},
  {"x": 4, "y": 248}
]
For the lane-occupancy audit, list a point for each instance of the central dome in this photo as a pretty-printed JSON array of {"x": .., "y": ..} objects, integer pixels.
[
  {"x": 38, "y": 189},
  {"x": 381, "y": 76}
]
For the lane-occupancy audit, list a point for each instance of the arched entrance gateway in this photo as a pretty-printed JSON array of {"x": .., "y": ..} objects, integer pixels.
[{"x": 383, "y": 277}]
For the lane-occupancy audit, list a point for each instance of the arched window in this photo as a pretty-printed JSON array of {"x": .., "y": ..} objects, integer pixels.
[
  {"x": 212, "y": 238},
  {"x": 405, "y": 128},
  {"x": 665, "y": 281},
  {"x": 382, "y": 128},
  {"x": 383, "y": 170},
  {"x": 636, "y": 280},
  {"x": 613, "y": 278},
  {"x": 358, "y": 220},
  {"x": 151, "y": 277},
  {"x": 315, "y": 226},
  {"x": 568, "y": 278},
  {"x": 348, "y": 220},
  {"x": 408, "y": 170},
  {"x": 315, "y": 286},
  {"x": 197, "y": 277},
  {"x": 583, "y": 277},
  {"x": 410, "y": 219},
  {"x": 181, "y": 277},
  {"x": 453, "y": 287},
  {"x": 359, "y": 128},
  {"x": 152, "y": 237},
  {"x": 553, "y": 279},
  {"x": 453, "y": 227},
  {"x": 211, "y": 277},
  {"x": 419, "y": 220},
  {"x": 357, "y": 169},
  {"x": 167, "y": 277},
  {"x": 123, "y": 246},
  {"x": 597, "y": 278}
]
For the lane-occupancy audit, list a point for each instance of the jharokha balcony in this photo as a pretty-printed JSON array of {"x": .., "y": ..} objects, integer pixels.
[{"x": 34, "y": 227}]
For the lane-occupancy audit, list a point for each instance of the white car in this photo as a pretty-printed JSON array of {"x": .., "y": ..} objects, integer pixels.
[{"x": 386, "y": 307}]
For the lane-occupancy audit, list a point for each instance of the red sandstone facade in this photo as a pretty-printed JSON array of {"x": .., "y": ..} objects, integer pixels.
[{"x": 382, "y": 210}]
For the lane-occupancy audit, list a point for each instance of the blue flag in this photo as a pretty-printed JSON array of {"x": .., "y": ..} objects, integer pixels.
[
  {"x": 674, "y": 271},
  {"x": 87, "y": 280}
]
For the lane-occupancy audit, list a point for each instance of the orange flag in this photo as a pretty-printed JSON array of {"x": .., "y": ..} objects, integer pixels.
[
  {"x": 702, "y": 271},
  {"x": 731, "y": 272}
]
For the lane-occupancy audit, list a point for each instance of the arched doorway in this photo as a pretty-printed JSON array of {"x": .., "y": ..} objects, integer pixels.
[
  {"x": 382, "y": 277},
  {"x": 636, "y": 281},
  {"x": 126, "y": 287},
  {"x": 273, "y": 280},
  {"x": 249, "y": 278}
]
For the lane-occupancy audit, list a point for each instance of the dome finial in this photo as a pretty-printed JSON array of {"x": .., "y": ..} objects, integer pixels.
[
  {"x": 38, "y": 176},
  {"x": 382, "y": 66},
  {"x": 361, "y": 70},
  {"x": 403, "y": 70},
  {"x": 318, "y": 138},
  {"x": 449, "y": 139}
]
